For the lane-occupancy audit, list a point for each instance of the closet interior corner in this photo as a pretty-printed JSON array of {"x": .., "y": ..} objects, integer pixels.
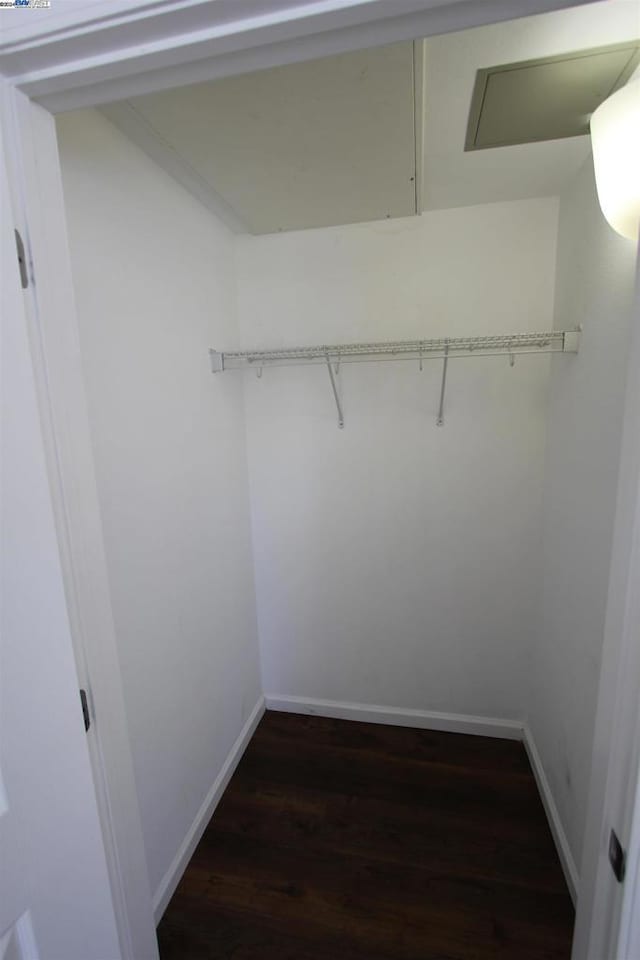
[{"x": 404, "y": 242}]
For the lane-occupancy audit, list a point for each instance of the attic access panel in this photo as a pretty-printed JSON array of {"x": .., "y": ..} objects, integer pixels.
[{"x": 545, "y": 99}]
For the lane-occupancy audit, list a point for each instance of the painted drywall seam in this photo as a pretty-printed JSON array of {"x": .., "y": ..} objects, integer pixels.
[{"x": 238, "y": 239}]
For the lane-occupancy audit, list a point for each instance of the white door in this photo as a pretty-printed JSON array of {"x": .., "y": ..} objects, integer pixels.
[{"x": 55, "y": 900}]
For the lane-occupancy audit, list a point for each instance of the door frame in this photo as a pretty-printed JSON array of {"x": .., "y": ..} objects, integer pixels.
[
  {"x": 113, "y": 49},
  {"x": 38, "y": 210}
]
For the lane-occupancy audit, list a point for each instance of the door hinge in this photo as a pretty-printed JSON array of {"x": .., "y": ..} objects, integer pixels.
[
  {"x": 617, "y": 856},
  {"x": 85, "y": 709},
  {"x": 22, "y": 261}
]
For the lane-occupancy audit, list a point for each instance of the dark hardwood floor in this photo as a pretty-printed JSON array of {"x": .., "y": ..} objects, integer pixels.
[{"x": 352, "y": 841}]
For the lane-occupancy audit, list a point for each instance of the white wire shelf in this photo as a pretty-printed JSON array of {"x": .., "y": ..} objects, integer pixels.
[
  {"x": 444, "y": 348},
  {"x": 554, "y": 341}
]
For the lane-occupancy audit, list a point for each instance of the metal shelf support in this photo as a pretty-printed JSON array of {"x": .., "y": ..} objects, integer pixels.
[
  {"x": 334, "y": 387},
  {"x": 443, "y": 387},
  {"x": 445, "y": 348}
]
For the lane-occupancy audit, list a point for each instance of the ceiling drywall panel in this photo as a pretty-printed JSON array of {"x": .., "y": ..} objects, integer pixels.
[
  {"x": 313, "y": 144},
  {"x": 453, "y": 177},
  {"x": 339, "y": 140}
]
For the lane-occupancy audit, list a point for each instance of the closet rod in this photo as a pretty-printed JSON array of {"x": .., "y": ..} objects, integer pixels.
[{"x": 552, "y": 341}]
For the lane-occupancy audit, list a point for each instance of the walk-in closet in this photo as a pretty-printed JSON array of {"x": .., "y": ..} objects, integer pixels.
[{"x": 354, "y": 336}]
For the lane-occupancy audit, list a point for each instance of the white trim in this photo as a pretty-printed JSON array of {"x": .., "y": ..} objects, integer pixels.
[
  {"x": 419, "y": 98},
  {"x": 33, "y": 166},
  {"x": 555, "y": 823},
  {"x": 169, "y": 882},
  {"x": 398, "y": 716},
  {"x": 629, "y": 937},
  {"x": 451, "y": 723},
  {"x": 176, "y": 42},
  {"x": 22, "y": 33},
  {"x": 368, "y": 713},
  {"x": 600, "y": 921}
]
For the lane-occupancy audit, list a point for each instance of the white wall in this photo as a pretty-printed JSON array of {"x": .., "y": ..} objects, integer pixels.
[
  {"x": 397, "y": 562},
  {"x": 594, "y": 287},
  {"x": 461, "y": 569},
  {"x": 155, "y": 287}
]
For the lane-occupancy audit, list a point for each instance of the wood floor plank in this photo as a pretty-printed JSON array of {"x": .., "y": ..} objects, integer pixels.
[
  {"x": 338, "y": 840},
  {"x": 384, "y": 831}
]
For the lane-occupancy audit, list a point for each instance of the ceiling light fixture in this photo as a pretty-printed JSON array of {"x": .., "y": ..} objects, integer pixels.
[{"x": 615, "y": 138}]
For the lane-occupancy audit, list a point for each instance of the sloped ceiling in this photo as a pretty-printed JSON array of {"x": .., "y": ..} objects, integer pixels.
[
  {"x": 366, "y": 135},
  {"x": 308, "y": 145}
]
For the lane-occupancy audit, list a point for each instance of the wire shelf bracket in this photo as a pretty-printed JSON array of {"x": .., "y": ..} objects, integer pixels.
[
  {"x": 446, "y": 349},
  {"x": 334, "y": 386}
]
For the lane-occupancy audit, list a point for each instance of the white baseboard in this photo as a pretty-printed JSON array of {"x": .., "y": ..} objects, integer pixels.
[
  {"x": 399, "y": 717},
  {"x": 557, "y": 831},
  {"x": 169, "y": 882},
  {"x": 452, "y": 723},
  {"x": 367, "y": 713}
]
